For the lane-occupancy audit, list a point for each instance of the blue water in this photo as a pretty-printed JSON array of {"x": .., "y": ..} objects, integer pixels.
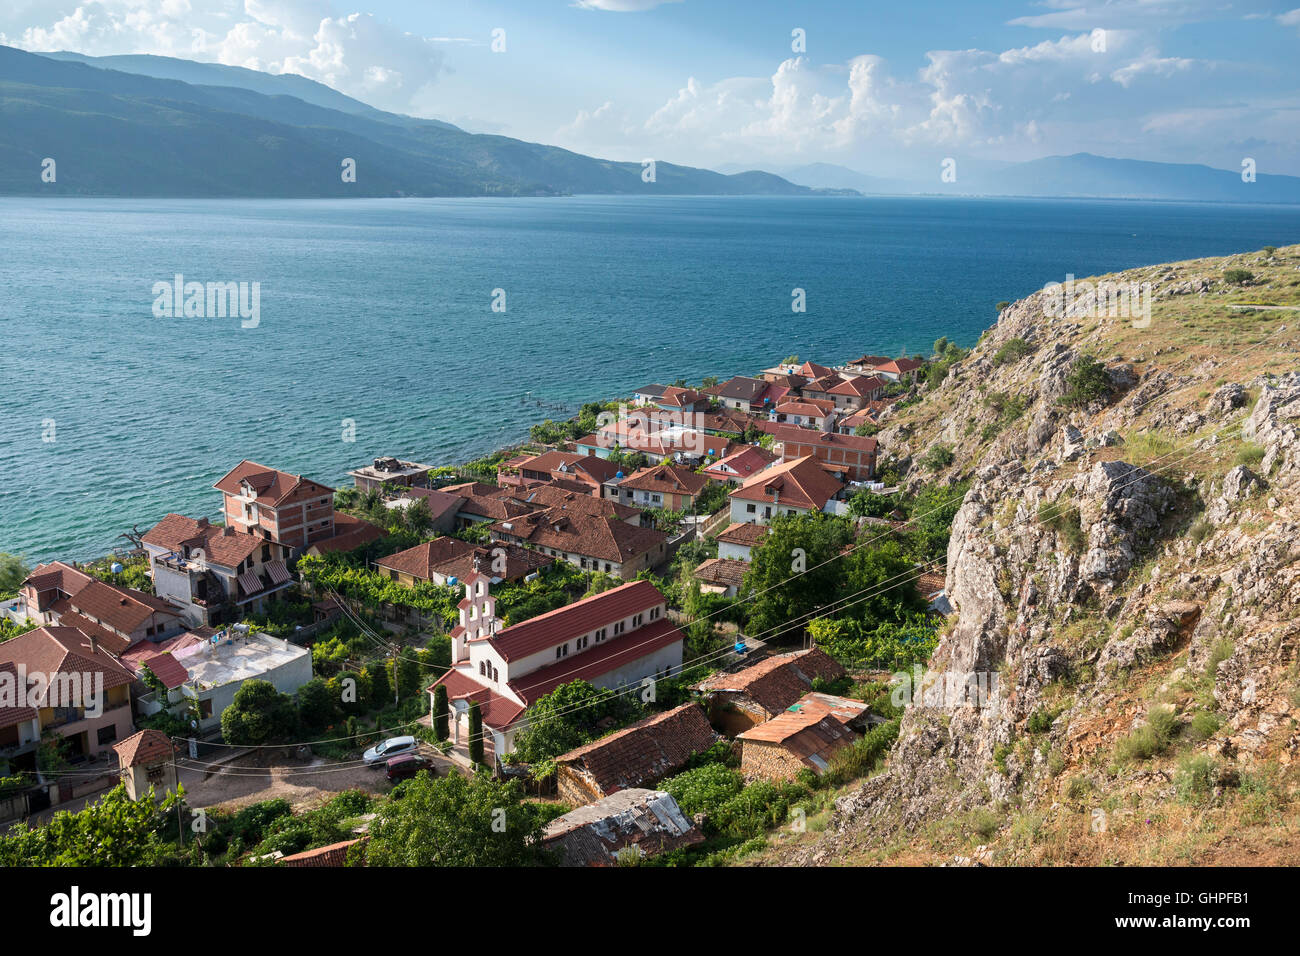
[{"x": 380, "y": 311}]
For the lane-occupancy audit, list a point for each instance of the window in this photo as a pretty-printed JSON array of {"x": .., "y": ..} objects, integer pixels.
[
  {"x": 562, "y": 650},
  {"x": 107, "y": 734},
  {"x": 751, "y": 509},
  {"x": 580, "y": 643},
  {"x": 482, "y": 668},
  {"x": 654, "y": 613},
  {"x": 156, "y": 773},
  {"x": 606, "y": 567},
  {"x": 495, "y": 676}
]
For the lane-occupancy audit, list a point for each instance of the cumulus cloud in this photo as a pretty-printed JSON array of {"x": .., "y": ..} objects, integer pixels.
[{"x": 355, "y": 53}]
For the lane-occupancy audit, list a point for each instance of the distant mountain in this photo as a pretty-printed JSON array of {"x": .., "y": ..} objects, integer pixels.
[
  {"x": 218, "y": 74},
  {"x": 1084, "y": 174},
  {"x": 118, "y": 133}
]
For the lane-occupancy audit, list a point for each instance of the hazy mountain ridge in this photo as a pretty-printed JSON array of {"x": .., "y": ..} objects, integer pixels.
[{"x": 116, "y": 133}]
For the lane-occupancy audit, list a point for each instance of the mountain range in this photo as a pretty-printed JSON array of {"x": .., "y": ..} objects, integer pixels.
[{"x": 143, "y": 125}]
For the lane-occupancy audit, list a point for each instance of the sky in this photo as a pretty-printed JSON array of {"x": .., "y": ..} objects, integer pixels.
[{"x": 882, "y": 88}]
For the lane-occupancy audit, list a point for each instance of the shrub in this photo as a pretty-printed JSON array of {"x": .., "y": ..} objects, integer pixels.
[
  {"x": 1249, "y": 454},
  {"x": 1063, "y": 518},
  {"x": 1196, "y": 777},
  {"x": 1086, "y": 382},
  {"x": 1151, "y": 738},
  {"x": 1012, "y": 350},
  {"x": 938, "y": 456},
  {"x": 1238, "y": 276}
]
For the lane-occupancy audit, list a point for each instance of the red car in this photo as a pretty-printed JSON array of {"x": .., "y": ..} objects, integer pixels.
[{"x": 405, "y": 767}]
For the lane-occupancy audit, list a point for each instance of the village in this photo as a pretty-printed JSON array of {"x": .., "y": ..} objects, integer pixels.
[{"x": 640, "y": 600}]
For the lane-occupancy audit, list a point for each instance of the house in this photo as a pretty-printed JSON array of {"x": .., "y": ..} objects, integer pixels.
[
  {"x": 117, "y": 617},
  {"x": 819, "y": 389},
  {"x": 670, "y": 487},
  {"x": 722, "y": 575},
  {"x": 648, "y": 394},
  {"x": 206, "y": 668},
  {"x": 899, "y": 369},
  {"x": 636, "y": 756},
  {"x": 616, "y": 638},
  {"x": 441, "y": 560},
  {"x": 801, "y": 486},
  {"x": 750, "y": 696},
  {"x": 349, "y": 534},
  {"x": 811, "y": 370},
  {"x": 738, "y": 540},
  {"x": 853, "y": 392},
  {"x": 593, "y": 543},
  {"x": 58, "y": 679},
  {"x": 644, "y": 822},
  {"x": 587, "y": 470},
  {"x": 481, "y": 503},
  {"x": 147, "y": 759},
  {"x": 552, "y": 496},
  {"x": 286, "y": 509},
  {"x": 676, "y": 399},
  {"x": 806, "y": 413},
  {"x": 740, "y": 464},
  {"x": 932, "y": 585},
  {"x": 390, "y": 472},
  {"x": 743, "y": 393},
  {"x": 851, "y": 712},
  {"x": 867, "y": 364},
  {"x": 852, "y": 456},
  {"x": 849, "y": 424},
  {"x": 630, "y": 435},
  {"x": 779, "y": 748},
  {"x": 213, "y": 574}
]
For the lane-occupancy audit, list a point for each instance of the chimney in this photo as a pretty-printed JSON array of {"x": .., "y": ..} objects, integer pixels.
[{"x": 94, "y": 644}]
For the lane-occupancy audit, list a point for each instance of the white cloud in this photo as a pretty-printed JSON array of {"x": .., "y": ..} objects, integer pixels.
[{"x": 355, "y": 53}]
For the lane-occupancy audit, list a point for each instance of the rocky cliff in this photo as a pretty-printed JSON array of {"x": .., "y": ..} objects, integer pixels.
[{"x": 1123, "y": 572}]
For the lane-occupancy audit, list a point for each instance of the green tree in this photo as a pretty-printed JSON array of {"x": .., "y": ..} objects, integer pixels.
[
  {"x": 259, "y": 714},
  {"x": 407, "y": 676},
  {"x": 113, "y": 831},
  {"x": 318, "y": 704},
  {"x": 440, "y": 713},
  {"x": 567, "y": 717},
  {"x": 882, "y": 582},
  {"x": 792, "y": 572},
  {"x": 475, "y": 733},
  {"x": 381, "y": 689},
  {"x": 456, "y": 821},
  {"x": 12, "y": 573}
]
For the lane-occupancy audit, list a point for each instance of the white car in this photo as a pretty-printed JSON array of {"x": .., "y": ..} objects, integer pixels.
[{"x": 392, "y": 747}]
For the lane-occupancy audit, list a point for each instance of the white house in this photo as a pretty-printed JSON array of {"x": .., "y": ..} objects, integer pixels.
[{"x": 618, "y": 637}]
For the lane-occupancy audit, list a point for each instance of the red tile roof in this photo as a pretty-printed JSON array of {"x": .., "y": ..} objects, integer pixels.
[
  {"x": 665, "y": 479},
  {"x": 743, "y": 534},
  {"x": 800, "y": 483},
  {"x": 220, "y": 545},
  {"x": 272, "y": 487},
  {"x": 574, "y": 620},
  {"x": 809, "y": 436},
  {"x": 168, "y": 670},
  {"x": 63, "y": 650},
  {"x": 857, "y": 385},
  {"x": 421, "y": 560},
  {"x": 11, "y": 713},
  {"x": 143, "y": 748},
  {"x": 644, "y": 752},
  {"x": 776, "y": 682},
  {"x": 724, "y": 572},
  {"x": 57, "y": 576},
  {"x": 600, "y": 659},
  {"x": 349, "y": 534},
  {"x": 555, "y": 496},
  {"x": 812, "y": 738},
  {"x": 748, "y": 460},
  {"x": 570, "y": 532},
  {"x": 497, "y": 710},
  {"x": 336, "y": 854}
]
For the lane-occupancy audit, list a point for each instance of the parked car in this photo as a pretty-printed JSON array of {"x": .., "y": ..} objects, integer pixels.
[
  {"x": 406, "y": 766},
  {"x": 392, "y": 747}
]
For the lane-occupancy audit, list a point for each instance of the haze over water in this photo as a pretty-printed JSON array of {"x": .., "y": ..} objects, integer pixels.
[{"x": 379, "y": 311}]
